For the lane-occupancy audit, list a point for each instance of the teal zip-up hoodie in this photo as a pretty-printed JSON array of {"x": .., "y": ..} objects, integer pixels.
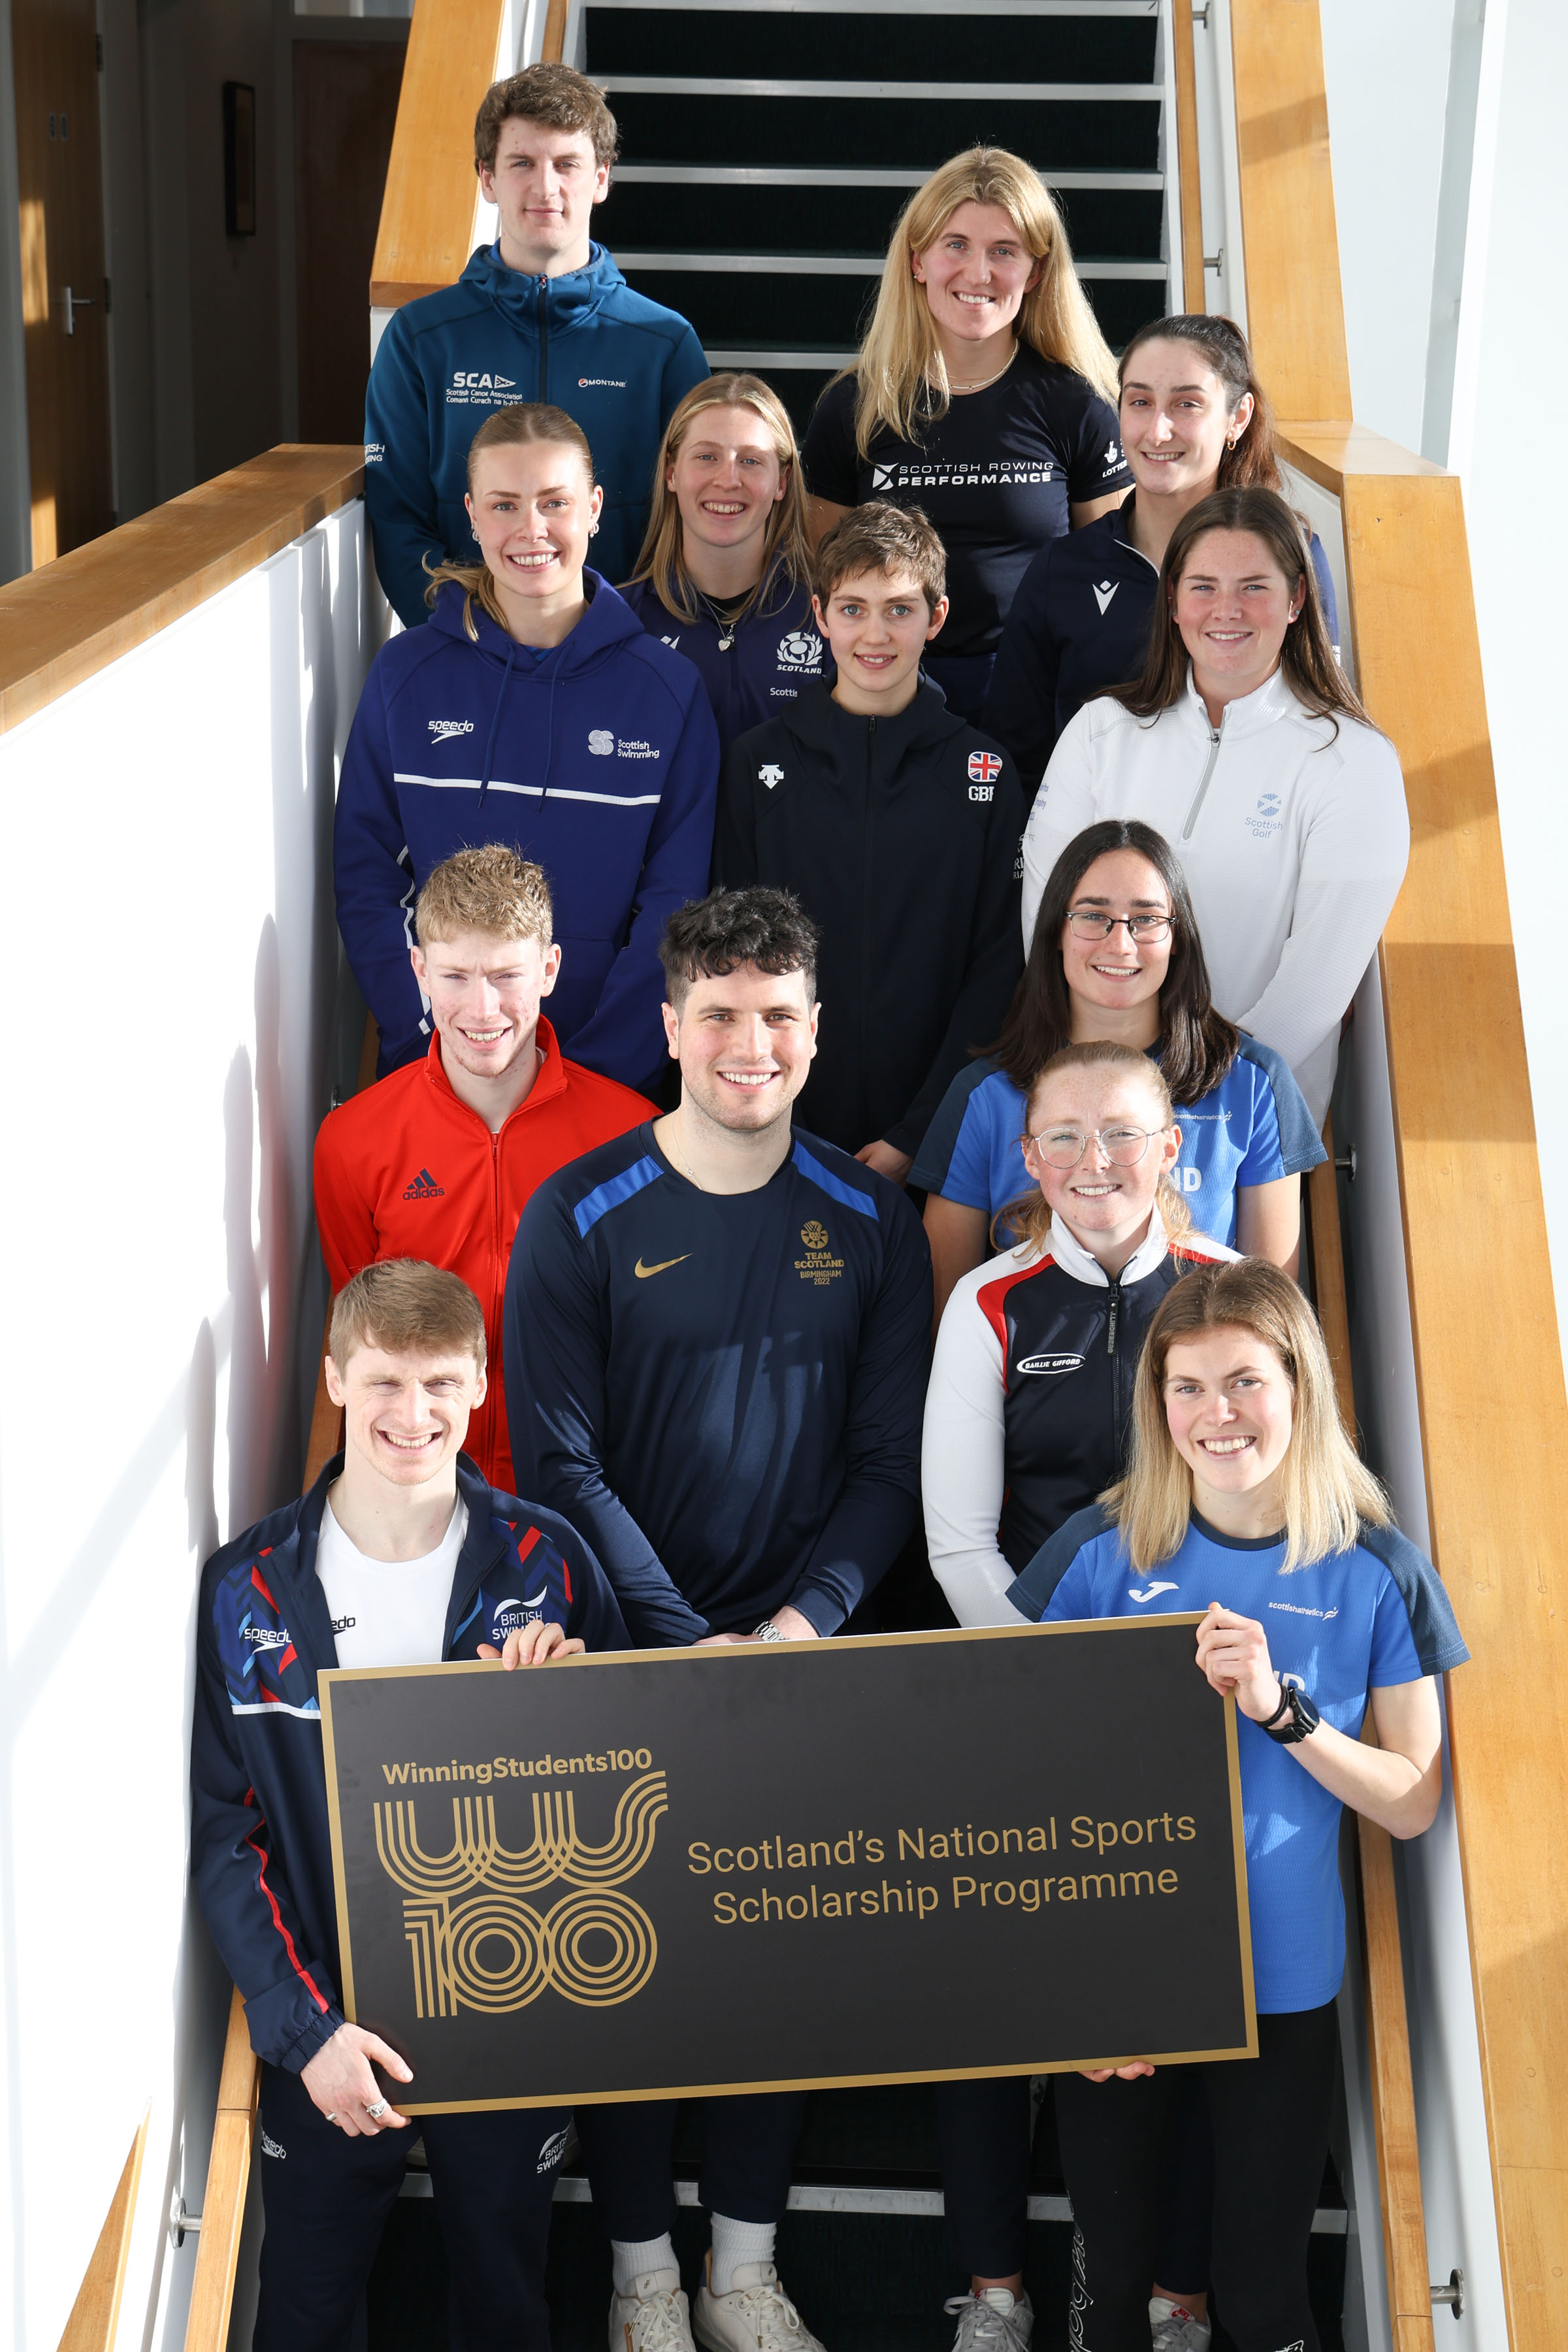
[{"x": 615, "y": 362}]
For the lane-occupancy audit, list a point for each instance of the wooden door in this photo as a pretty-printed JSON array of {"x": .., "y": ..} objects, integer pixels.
[
  {"x": 64, "y": 291},
  {"x": 345, "y": 109}
]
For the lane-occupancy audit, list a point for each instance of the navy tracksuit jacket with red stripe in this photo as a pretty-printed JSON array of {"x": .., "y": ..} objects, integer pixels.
[{"x": 260, "y": 1845}]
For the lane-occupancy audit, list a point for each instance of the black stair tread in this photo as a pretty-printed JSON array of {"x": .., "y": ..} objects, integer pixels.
[
  {"x": 915, "y": 134},
  {"x": 695, "y": 217},
  {"x": 764, "y": 45}
]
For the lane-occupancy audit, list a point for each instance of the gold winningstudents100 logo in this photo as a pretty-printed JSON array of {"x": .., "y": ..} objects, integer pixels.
[{"x": 475, "y": 1941}]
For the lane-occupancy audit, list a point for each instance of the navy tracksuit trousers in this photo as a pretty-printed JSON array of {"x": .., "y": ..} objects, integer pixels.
[{"x": 326, "y": 2197}]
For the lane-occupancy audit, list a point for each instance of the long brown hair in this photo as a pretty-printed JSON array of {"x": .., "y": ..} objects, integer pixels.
[
  {"x": 517, "y": 428},
  {"x": 1250, "y": 462},
  {"x": 786, "y": 546},
  {"x": 1307, "y": 658},
  {"x": 1027, "y": 1220},
  {"x": 1199, "y": 1043},
  {"x": 1326, "y": 1489}
]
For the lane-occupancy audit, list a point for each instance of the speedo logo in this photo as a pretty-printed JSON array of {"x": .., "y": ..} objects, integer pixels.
[
  {"x": 1051, "y": 1363},
  {"x": 265, "y": 1637},
  {"x": 270, "y": 2146},
  {"x": 443, "y": 730}
]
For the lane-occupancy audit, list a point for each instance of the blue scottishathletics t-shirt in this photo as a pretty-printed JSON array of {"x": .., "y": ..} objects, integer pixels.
[
  {"x": 1252, "y": 1127},
  {"x": 1340, "y": 1627}
]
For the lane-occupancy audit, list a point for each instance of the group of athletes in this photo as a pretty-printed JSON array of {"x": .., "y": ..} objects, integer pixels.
[{"x": 919, "y": 905}]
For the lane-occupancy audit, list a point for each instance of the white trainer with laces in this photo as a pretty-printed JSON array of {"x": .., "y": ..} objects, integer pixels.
[
  {"x": 992, "y": 2321},
  {"x": 1174, "y": 2328},
  {"x": 757, "y": 2316},
  {"x": 652, "y": 2318}
]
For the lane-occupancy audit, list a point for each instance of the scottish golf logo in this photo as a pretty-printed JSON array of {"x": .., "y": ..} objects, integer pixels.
[{"x": 474, "y": 1940}]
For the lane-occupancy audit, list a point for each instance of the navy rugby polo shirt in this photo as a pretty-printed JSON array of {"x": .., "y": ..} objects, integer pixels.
[{"x": 722, "y": 1392}]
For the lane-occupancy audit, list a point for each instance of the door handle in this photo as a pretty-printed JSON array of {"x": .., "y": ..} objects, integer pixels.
[{"x": 74, "y": 302}]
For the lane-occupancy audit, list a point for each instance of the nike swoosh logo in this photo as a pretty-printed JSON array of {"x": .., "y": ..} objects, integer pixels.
[{"x": 642, "y": 1271}]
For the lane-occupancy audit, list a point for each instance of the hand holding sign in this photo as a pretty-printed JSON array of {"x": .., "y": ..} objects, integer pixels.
[
  {"x": 343, "y": 2087},
  {"x": 532, "y": 1645},
  {"x": 1233, "y": 1652}
]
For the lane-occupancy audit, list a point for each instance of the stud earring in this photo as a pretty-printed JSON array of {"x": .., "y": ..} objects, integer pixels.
[{"x": 593, "y": 531}]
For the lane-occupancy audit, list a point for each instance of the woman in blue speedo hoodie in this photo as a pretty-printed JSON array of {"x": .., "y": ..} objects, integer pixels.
[{"x": 536, "y": 711}]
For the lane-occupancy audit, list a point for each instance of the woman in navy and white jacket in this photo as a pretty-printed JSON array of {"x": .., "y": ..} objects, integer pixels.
[
  {"x": 534, "y": 709},
  {"x": 1245, "y": 745},
  {"x": 724, "y": 571}
]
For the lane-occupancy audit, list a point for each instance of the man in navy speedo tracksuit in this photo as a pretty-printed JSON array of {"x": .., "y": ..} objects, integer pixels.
[
  {"x": 716, "y": 1343},
  {"x": 543, "y": 315},
  {"x": 399, "y": 1554}
]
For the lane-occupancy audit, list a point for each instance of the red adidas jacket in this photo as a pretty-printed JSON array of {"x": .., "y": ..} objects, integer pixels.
[{"x": 407, "y": 1170}]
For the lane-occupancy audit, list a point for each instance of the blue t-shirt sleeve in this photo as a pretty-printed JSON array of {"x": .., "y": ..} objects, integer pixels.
[
  {"x": 968, "y": 1177},
  {"x": 1394, "y": 1658},
  {"x": 1262, "y": 1162},
  {"x": 1064, "y": 1563},
  {"x": 1072, "y": 1597},
  {"x": 1297, "y": 1143}
]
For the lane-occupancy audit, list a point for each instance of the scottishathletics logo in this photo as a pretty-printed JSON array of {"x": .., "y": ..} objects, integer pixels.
[
  {"x": 985, "y": 767},
  {"x": 424, "y": 1188},
  {"x": 443, "y": 730}
]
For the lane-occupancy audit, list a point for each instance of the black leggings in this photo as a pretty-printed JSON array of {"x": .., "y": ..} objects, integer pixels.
[{"x": 1270, "y": 2117}]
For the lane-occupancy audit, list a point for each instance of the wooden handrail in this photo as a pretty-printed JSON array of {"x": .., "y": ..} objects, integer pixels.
[
  {"x": 95, "y": 2315},
  {"x": 429, "y": 210},
  {"x": 1495, "y": 1450},
  {"x": 1188, "y": 182},
  {"x": 1383, "y": 1969},
  {"x": 69, "y": 619}
]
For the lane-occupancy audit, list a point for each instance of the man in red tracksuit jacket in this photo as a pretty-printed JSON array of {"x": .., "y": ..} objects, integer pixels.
[{"x": 438, "y": 1160}]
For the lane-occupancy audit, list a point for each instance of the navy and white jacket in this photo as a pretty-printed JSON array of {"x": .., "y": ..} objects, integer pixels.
[
  {"x": 598, "y": 759},
  {"x": 1079, "y": 625},
  {"x": 613, "y": 359},
  {"x": 899, "y": 837},
  {"x": 722, "y": 1390},
  {"x": 260, "y": 1844},
  {"x": 1030, "y": 1396},
  {"x": 774, "y": 651}
]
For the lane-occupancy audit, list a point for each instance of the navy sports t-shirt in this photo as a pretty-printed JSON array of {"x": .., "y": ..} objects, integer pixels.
[
  {"x": 1341, "y": 1627},
  {"x": 996, "y": 474},
  {"x": 1251, "y": 1128},
  {"x": 722, "y": 1392}
]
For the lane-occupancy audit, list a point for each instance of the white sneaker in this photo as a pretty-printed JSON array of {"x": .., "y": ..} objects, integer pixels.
[
  {"x": 1174, "y": 2328},
  {"x": 757, "y": 2316},
  {"x": 652, "y": 2318},
  {"x": 995, "y": 2321}
]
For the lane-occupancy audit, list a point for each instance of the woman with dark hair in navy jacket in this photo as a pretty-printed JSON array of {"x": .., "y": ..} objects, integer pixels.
[{"x": 535, "y": 710}]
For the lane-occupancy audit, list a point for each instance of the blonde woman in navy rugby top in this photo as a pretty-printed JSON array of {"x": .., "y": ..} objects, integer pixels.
[{"x": 1243, "y": 1498}]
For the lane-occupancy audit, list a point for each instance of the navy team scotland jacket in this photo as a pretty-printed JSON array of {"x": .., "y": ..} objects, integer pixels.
[
  {"x": 599, "y": 759},
  {"x": 260, "y": 1845},
  {"x": 772, "y": 656},
  {"x": 615, "y": 362}
]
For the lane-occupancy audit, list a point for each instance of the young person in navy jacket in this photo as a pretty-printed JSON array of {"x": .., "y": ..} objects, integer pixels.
[
  {"x": 725, "y": 572},
  {"x": 399, "y": 1554},
  {"x": 896, "y": 824},
  {"x": 534, "y": 711},
  {"x": 1116, "y": 955},
  {"x": 543, "y": 314},
  {"x": 1244, "y": 1497},
  {"x": 1193, "y": 419}
]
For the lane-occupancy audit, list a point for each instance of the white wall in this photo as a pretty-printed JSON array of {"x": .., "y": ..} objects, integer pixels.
[{"x": 162, "y": 1299}]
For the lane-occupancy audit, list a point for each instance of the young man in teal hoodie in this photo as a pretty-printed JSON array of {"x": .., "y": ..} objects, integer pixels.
[{"x": 541, "y": 315}]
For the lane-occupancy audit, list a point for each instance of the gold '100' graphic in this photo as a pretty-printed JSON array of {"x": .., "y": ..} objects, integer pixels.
[{"x": 477, "y": 1943}]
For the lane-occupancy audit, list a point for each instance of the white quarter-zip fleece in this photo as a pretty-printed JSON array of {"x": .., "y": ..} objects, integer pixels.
[{"x": 1294, "y": 841}]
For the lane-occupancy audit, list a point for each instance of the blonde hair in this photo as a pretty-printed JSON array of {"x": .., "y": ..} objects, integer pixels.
[
  {"x": 901, "y": 374},
  {"x": 525, "y": 422},
  {"x": 786, "y": 544},
  {"x": 1028, "y": 1218},
  {"x": 489, "y": 889},
  {"x": 1327, "y": 1490},
  {"x": 409, "y": 1308}
]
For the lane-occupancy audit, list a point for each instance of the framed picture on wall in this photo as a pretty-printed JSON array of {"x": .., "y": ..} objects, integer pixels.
[{"x": 239, "y": 158}]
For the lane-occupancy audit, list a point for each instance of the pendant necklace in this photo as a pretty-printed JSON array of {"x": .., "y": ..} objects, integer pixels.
[{"x": 726, "y": 625}]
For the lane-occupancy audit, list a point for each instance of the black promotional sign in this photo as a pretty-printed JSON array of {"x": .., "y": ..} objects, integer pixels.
[{"x": 675, "y": 1871}]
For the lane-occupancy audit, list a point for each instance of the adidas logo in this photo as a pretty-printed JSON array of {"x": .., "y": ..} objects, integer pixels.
[{"x": 424, "y": 1188}]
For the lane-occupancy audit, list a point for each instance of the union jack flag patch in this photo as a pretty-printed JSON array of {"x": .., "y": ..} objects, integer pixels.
[{"x": 985, "y": 767}]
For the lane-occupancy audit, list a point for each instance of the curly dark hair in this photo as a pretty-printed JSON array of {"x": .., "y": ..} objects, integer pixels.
[
  {"x": 558, "y": 97},
  {"x": 1199, "y": 1043},
  {"x": 709, "y": 937}
]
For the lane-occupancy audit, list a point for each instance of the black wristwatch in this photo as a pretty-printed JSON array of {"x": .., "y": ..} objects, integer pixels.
[{"x": 1293, "y": 1719}]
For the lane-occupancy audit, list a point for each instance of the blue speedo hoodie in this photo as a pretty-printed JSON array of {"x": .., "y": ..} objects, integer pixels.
[
  {"x": 599, "y": 759},
  {"x": 586, "y": 342}
]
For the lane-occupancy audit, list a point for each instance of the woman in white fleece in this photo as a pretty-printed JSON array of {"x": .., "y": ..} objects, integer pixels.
[{"x": 1245, "y": 745}]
